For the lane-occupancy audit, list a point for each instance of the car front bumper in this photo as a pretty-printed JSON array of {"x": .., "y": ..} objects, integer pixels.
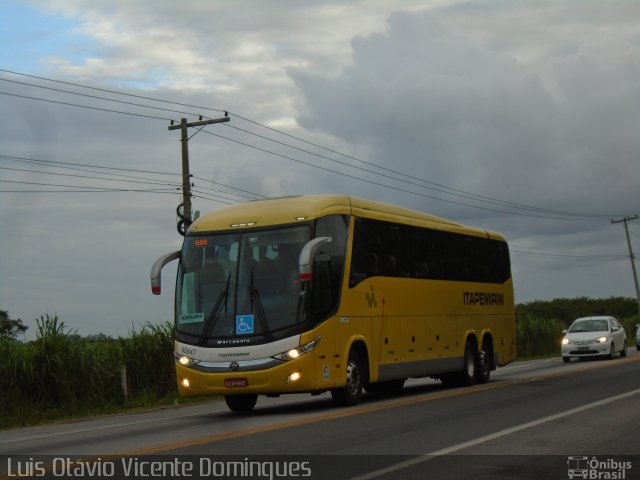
[{"x": 572, "y": 350}]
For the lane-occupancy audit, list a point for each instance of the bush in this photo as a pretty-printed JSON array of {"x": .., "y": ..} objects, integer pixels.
[
  {"x": 629, "y": 324},
  {"x": 149, "y": 360},
  {"x": 61, "y": 373},
  {"x": 536, "y": 336}
]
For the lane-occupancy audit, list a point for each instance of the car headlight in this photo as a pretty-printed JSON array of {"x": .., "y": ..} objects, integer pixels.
[
  {"x": 297, "y": 352},
  {"x": 602, "y": 339},
  {"x": 565, "y": 341}
]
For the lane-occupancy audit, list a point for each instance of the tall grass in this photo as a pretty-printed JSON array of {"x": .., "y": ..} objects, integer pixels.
[
  {"x": 537, "y": 337},
  {"x": 148, "y": 356},
  {"x": 61, "y": 373}
]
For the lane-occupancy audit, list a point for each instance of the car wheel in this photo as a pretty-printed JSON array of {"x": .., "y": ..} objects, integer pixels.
[
  {"x": 613, "y": 349},
  {"x": 566, "y": 359},
  {"x": 623, "y": 352}
]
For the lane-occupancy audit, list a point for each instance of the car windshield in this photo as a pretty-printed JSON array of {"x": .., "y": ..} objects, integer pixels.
[
  {"x": 600, "y": 325},
  {"x": 239, "y": 285}
]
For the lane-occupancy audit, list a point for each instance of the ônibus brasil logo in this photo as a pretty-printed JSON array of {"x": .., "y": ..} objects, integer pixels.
[{"x": 593, "y": 468}]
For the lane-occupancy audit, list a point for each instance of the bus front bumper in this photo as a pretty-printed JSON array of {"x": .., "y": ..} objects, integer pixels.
[{"x": 290, "y": 377}]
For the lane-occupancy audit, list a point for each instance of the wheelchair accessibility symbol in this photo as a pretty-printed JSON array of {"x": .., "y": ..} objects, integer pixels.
[{"x": 244, "y": 324}]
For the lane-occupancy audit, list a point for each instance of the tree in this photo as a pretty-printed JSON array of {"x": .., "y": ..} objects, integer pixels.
[{"x": 10, "y": 328}]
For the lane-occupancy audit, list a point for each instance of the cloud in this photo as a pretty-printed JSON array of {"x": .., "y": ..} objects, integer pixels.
[
  {"x": 431, "y": 101},
  {"x": 532, "y": 103}
]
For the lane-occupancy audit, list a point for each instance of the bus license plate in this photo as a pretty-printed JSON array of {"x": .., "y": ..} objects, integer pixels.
[{"x": 236, "y": 382}]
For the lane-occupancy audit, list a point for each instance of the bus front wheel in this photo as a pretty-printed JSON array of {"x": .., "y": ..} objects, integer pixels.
[
  {"x": 241, "y": 403},
  {"x": 351, "y": 393}
]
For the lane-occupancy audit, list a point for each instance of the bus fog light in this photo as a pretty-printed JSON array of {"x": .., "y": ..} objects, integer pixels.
[
  {"x": 293, "y": 377},
  {"x": 186, "y": 383}
]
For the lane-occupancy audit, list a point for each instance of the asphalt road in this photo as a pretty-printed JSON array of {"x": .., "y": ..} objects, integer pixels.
[{"x": 535, "y": 419}]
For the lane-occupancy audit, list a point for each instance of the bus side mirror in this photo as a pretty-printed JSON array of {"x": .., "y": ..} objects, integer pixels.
[
  {"x": 305, "y": 263},
  {"x": 156, "y": 270}
]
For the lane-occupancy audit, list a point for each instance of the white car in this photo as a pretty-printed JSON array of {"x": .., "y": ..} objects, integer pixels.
[{"x": 592, "y": 337}]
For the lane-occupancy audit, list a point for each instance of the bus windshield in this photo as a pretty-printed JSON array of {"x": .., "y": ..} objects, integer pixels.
[{"x": 239, "y": 285}]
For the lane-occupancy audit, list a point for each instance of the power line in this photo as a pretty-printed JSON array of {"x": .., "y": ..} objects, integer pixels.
[
  {"x": 105, "y": 90},
  {"x": 73, "y": 166},
  {"x": 537, "y": 253},
  {"x": 440, "y": 188},
  {"x": 95, "y": 97},
  {"x": 429, "y": 185},
  {"x": 88, "y": 170},
  {"x": 86, "y": 191},
  {"x": 85, "y": 106},
  {"x": 229, "y": 186},
  {"x": 372, "y": 182},
  {"x": 26, "y": 159},
  {"x": 88, "y": 176},
  {"x": 215, "y": 198},
  {"x": 434, "y": 186},
  {"x": 89, "y": 188}
]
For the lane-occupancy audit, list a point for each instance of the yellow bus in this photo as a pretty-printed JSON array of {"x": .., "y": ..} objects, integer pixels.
[{"x": 321, "y": 293}]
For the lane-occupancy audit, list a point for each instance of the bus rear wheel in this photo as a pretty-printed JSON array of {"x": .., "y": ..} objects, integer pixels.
[
  {"x": 351, "y": 393},
  {"x": 467, "y": 376},
  {"x": 484, "y": 361},
  {"x": 241, "y": 403}
]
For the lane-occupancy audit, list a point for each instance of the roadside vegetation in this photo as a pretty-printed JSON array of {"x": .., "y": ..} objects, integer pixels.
[
  {"x": 539, "y": 324},
  {"x": 63, "y": 375}
]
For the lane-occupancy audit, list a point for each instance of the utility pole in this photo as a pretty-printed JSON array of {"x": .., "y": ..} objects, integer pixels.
[
  {"x": 631, "y": 255},
  {"x": 186, "y": 216}
]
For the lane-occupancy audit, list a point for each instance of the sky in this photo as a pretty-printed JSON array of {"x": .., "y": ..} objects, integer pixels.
[{"x": 515, "y": 116}]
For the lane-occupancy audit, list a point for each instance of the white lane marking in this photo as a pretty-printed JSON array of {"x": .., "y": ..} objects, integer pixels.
[
  {"x": 528, "y": 364},
  {"x": 508, "y": 431},
  {"x": 36, "y": 436}
]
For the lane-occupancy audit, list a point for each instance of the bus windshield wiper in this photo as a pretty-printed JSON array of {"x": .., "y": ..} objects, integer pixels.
[
  {"x": 262, "y": 316},
  {"x": 215, "y": 313}
]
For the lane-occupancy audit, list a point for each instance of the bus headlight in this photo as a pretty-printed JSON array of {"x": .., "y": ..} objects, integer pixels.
[
  {"x": 184, "y": 360},
  {"x": 296, "y": 352}
]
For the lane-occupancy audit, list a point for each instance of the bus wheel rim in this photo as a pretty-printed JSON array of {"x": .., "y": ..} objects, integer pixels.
[{"x": 353, "y": 378}]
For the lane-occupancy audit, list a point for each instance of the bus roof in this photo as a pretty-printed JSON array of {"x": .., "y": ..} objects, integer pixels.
[{"x": 288, "y": 210}]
